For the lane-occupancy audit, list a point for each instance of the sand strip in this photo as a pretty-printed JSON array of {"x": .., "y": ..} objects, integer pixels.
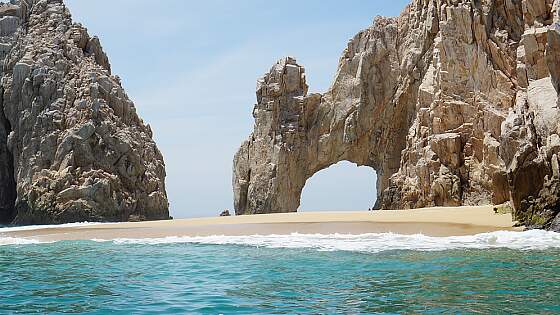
[{"x": 430, "y": 221}]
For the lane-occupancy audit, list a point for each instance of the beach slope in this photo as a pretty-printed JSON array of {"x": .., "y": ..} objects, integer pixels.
[{"x": 429, "y": 221}]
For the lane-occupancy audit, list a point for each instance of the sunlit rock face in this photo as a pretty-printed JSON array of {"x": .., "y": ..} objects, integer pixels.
[
  {"x": 452, "y": 103},
  {"x": 72, "y": 147}
]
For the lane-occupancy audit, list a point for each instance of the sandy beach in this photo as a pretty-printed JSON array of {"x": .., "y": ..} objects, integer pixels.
[{"x": 430, "y": 221}]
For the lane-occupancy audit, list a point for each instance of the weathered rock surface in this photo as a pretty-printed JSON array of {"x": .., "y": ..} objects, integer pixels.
[
  {"x": 72, "y": 147},
  {"x": 452, "y": 103}
]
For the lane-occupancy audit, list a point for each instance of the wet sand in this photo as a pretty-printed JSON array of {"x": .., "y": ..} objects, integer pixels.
[{"x": 430, "y": 221}]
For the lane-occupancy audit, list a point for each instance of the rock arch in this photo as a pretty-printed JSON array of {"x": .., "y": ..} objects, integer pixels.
[
  {"x": 297, "y": 135},
  {"x": 364, "y": 118},
  {"x": 381, "y": 104},
  {"x": 452, "y": 103},
  {"x": 422, "y": 98}
]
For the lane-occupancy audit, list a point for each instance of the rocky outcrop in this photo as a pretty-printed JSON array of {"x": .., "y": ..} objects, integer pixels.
[
  {"x": 452, "y": 103},
  {"x": 72, "y": 147}
]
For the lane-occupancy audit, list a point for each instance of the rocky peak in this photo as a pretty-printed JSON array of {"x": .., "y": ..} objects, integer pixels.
[
  {"x": 285, "y": 78},
  {"x": 72, "y": 147}
]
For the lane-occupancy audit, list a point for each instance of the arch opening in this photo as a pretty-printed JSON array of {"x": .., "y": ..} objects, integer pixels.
[{"x": 343, "y": 186}]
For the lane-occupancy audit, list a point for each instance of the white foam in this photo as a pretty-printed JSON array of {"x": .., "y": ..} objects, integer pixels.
[
  {"x": 6, "y": 240},
  {"x": 374, "y": 242},
  {"x": 43, "y": 227},
  {"x": 17, "y": 241}
]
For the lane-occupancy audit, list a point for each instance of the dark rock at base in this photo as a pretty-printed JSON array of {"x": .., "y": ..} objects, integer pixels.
[
  {"x": 555, "y": 226},
  {"x": 542, "y": 211}
]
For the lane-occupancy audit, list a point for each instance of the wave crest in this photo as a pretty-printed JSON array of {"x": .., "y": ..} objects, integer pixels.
[
  {"x": 44, "y": 227},
  {"x": 17, "y": 241},
  {"x": 374, "y": 242}
]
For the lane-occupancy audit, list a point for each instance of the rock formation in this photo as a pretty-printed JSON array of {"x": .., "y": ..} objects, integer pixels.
[
  {"x": 452, "y": 103},
  {"x": 72, "y": 147}
]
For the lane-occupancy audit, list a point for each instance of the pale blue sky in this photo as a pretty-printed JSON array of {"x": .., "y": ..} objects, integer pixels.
[{"x": 191, "y": 69}]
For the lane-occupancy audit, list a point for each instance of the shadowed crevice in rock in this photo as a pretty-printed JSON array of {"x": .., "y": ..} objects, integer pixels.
[
  {"x": 9, "y": 24},
  {"x": 7, "y": 181}
]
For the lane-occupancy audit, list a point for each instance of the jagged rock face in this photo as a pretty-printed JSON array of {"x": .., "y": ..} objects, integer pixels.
[
  {"x": 452, "y": 103},
  {"x": 9, "y": 22},
  {"x": 72, "y": 147}
]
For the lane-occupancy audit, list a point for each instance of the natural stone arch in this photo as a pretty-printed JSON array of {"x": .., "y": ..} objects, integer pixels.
[
  {"x": 420, "y": 98},
  {"x": 364, "y": 118},
  {"x": 297, "y": 135},
  {"x": 453, "y": 103}
]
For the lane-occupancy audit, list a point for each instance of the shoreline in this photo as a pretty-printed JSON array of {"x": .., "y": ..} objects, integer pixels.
[{"x": 439, "y": 222}]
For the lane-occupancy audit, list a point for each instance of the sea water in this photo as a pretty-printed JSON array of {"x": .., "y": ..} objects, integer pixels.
[{"x": 493, "y": 273}]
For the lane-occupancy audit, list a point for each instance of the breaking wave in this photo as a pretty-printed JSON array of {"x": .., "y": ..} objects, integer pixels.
[
  {"x": 8, "y": 240},
  {"x": 370, "y": 243},
  {"x": 17, "y": 241},
  {"x": 43, "y": 227},
  {"x": 374, "y": 242}
]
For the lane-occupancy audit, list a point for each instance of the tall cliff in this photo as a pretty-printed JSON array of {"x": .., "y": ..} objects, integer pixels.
[
  {"x": 72, "y": 147},
  {"x": 454, "y": 102}
]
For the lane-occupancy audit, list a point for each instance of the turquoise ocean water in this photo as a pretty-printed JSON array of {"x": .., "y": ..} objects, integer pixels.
[{"x": 496, "y": 273}]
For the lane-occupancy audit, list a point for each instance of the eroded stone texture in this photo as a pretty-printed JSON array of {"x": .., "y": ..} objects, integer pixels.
[
  {"x": 9, "y": 23},
  {"x": 78, "y": 150},
  {"x": 553, "y": 54},
  {"x": 297, "y": 135},
  {"x": 452, "y": 103}
]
